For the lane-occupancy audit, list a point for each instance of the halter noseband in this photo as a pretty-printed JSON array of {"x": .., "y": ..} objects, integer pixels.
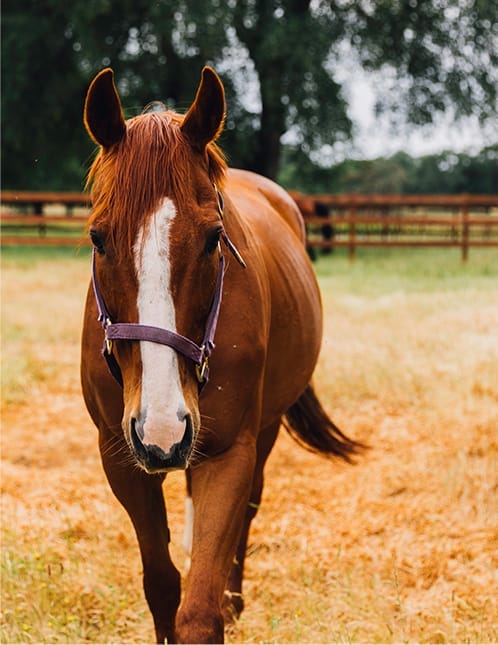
[{"x": 198, "y": 354}]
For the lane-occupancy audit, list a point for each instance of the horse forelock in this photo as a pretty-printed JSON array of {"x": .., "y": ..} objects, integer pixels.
[{"x": 128, "y": 182}]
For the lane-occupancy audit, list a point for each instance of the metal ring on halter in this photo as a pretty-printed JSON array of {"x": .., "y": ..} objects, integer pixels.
[
  {"x": 200, "y": 370},
  {"x": 108, "y": 343}
]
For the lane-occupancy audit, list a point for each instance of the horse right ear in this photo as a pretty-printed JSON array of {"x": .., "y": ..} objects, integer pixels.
[{"x": 103, "y": 115}]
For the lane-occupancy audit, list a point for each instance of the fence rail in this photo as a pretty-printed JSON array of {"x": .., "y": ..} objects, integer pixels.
[
  {"x": 43, "y": 218},
  {"x": 332, "y": 221},
  {"x": 38, "y": 199},
  {"x": 354, "y": 221}
]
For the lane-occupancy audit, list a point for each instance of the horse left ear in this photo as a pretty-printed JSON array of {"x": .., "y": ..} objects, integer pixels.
[
  {"x": 203, "y": 122},
  {"x": 103, "y": 115}
]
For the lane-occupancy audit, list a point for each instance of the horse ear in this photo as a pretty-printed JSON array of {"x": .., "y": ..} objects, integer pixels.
[
  {"x": 203, "y": 122},
  {"x": 103, "y": 116}
]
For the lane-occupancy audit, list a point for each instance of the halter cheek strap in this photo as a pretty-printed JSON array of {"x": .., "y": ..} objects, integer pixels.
[{"x": 198, "y": 354}]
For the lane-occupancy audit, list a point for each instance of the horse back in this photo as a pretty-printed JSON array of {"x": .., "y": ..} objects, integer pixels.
[
  {"x": 282, "y": 302},
  {"x": 240, "y": 181}
]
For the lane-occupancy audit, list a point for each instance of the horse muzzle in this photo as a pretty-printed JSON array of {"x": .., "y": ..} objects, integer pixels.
[{"x": 156, "y": 459}]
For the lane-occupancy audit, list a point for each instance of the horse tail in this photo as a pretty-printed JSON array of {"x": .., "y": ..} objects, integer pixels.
[{"x": 308, "y": 423}]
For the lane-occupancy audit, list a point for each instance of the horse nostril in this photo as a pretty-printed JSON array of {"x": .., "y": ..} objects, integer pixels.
[
  {"x": 136, "y": 436},
  {"x": 184, "y": 447},
  {"x": 154, "y": 458},
  {"x": 138, "y": 428}
]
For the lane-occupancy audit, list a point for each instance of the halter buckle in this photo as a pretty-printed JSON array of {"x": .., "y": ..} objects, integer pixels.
[
  {"x": 200, "y": 370},
  {"x": 108, "y": 343}
]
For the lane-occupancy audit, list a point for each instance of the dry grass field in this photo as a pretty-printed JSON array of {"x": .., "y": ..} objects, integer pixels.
[{"x": 402, "y": 547}]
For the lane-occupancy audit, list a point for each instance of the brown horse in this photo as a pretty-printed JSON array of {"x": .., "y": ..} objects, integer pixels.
[{"x": 174, "y": 233}]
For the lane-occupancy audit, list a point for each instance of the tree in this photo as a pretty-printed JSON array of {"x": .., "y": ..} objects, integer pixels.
[
  {"x": 446, "y": 172},
  {"x": 51, "y": 50},
  {"x": 439, "y": 55},
  {"x": 43, "y": 88},
  {"x": 289, "y": 43}
]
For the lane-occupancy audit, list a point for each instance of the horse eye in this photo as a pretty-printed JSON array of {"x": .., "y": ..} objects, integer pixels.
[
  {"x": 213, "y": 239},
  {"x": 97, "y": 241}
]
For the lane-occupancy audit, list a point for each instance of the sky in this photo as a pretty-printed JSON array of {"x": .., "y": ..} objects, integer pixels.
[{"x": 374, "y": 137}]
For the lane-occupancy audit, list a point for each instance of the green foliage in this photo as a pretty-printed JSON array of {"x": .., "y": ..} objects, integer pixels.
[
  {"x": 51, "y": 52},
  {"x": 289, "y": 42},
  {"x": 440, "y": 54},
  {"x": 442, "y": 173},
  {"x": 42, "y": 96}
]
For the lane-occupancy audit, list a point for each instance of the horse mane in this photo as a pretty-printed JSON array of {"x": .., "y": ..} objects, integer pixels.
[{"x": 152, "y": 160}]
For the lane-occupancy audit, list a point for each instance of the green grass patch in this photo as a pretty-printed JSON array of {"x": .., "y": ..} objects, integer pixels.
[
  {"x": 44, "y": 230},
  {"x": 377, "y": 271},
  {"x": 25, "y": 255},
  {"x": 70, "y": 606}
]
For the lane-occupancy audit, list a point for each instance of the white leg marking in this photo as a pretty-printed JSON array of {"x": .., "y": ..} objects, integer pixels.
[
  {"x": 188, "y": 534},
  {"x": 163, "y": 406}
]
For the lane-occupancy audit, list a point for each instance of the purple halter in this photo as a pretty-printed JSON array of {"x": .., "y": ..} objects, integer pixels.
[{"x": 198, "y": 354}]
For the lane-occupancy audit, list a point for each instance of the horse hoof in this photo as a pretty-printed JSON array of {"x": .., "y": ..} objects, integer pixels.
[{"x": 233, "y": 605}]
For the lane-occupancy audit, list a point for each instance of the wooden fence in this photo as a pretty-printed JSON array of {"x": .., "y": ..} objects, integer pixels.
[
  {"x": 332, "y": 221},
  {"x": 353, "y": 221},
  {"x": 43, "y": 218}
]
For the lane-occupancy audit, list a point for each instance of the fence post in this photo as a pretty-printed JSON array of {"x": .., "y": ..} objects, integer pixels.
[
  {"x": 38, "y": 211},
  {"x": 465, "y": 229},
  {"x": 352, "y": 230}
]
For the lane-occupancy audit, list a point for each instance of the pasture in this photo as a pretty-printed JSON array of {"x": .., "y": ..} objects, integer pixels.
[{"x": 402, "y": 547}]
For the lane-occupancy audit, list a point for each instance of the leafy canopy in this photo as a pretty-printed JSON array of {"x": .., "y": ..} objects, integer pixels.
[{"x": 279, "y": 59}]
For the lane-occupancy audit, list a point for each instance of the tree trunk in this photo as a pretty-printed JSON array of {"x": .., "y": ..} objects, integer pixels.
[{"x": 266, "y": 157}]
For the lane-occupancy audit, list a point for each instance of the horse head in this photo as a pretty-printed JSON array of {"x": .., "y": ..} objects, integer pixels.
[{"x": 156, "y": 224}]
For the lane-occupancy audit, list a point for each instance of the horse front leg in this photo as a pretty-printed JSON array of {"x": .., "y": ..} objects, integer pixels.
[
  {"x": 233, "y": 602},
  {"x": 142, "y": 497},
  {"x": 221, "y": 488}
]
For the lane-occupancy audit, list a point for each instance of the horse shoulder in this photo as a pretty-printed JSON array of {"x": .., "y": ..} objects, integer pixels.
[{"x": 280, "y": 200}]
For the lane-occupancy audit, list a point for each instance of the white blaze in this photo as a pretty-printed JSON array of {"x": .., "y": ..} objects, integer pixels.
[{"x": 162, "y": 406}]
